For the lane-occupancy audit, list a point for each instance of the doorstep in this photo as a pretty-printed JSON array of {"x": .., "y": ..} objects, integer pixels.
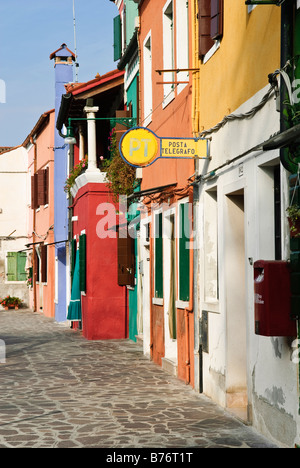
[{"x": 169, "y": 366}]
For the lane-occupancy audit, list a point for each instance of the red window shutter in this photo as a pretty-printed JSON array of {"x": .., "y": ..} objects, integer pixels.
[
  {"x": 216, "y": 26},
  {"x": 126, "y": 261},
  {"x": 204, "y": 21}
]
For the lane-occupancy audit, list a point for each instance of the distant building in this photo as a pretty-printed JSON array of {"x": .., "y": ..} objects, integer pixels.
[{"x": 13, "y": 223}]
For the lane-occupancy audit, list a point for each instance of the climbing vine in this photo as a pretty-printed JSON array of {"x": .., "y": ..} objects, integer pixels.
[{"x": 120, "y": 175}]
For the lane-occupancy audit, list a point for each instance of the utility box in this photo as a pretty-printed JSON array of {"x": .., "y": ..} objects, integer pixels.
[{"x": 272, "y": 299}]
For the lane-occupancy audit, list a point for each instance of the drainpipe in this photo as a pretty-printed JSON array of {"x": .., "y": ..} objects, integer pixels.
[
  {"x": 287, "y": 53},
  {"x": 33, "y": 235}
]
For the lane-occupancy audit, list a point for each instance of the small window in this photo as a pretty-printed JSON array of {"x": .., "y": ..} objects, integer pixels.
[{"x": 16, "y": 262}]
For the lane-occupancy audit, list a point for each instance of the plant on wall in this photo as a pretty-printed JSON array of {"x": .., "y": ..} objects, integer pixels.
[
  {"x": 120, "y": 175},
  {"x": 74, "y": 173},
  {"x": 293, "y": 213}
]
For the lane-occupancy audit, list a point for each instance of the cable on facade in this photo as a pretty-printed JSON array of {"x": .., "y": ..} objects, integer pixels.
[{"x": 247, "y": 115}]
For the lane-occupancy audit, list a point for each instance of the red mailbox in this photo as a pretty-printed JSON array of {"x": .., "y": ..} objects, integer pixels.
[{"x": 272, "y": 299}]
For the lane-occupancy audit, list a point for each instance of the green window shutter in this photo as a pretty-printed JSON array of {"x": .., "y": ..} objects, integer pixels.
[
  {"x": 82, "y": 262},
  {"x": 73, "y": 256},
  {"x": 21, "y": 262},
  {"x": 11, "y": 274},
  {"x": 184, "y": 253},
  {"x": 158, "y": 257},
  {"x": 117, "y": 38}
]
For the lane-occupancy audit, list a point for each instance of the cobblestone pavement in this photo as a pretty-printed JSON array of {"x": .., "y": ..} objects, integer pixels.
[{"x": 59, "y": 390}]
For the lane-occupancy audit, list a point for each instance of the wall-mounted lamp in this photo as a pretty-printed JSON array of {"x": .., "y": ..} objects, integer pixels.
[{"x": 70, "y": 138}]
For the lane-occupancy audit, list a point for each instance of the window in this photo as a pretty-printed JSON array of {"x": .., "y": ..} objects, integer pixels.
[
  {"x": 168, "y": 51},
  {"x": 184, "y": 252},
  {"x": 158, "y": 257},
  {"x": 40, "y": 188},
  {"x": 147, "y": 81},
  {"x": 210, "y": 20},
  {"x": 15, "y": 270}
]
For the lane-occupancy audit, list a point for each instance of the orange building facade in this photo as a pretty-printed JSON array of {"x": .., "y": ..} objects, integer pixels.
[
  {"x": 40, "y": 147},
  {"x": 166, "y": 100}
]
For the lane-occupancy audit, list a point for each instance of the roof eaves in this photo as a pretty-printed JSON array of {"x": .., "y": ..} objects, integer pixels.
[{"x": 37, "y": 126}]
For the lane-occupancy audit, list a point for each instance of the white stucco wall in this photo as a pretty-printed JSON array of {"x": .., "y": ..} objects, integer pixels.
[
  {"x": 13, "y": 214},
  {"x": 271, "y": 376}
]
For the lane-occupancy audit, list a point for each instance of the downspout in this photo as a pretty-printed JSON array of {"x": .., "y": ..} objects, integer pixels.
[
  {"x": 287, "y": 54},
  {"x": 34, "y": 225}
]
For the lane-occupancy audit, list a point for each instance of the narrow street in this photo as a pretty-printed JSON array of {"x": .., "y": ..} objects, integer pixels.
[{"x": 59, "y": 390}]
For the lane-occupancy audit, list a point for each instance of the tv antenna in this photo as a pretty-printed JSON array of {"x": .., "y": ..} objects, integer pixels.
[{"x": 75, "y": 44}]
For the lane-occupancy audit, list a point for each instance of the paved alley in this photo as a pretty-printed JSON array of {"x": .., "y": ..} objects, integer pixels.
[{"x": 59, "y": 390}]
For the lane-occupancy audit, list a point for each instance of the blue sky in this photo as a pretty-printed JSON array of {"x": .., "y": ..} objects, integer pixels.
[{"x": 30, "y": 30}]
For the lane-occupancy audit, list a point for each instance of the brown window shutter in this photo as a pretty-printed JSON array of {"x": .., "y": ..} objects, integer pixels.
[
  {"x": 40, "y": 187},
  {"x": 46, "y": 186},
  {"x": 204, "y": 21},
  {"x": 216, "y": 26},
  {"x": 126, "y": 261},
  {"x": 34, "y": 191},
  {"x": 120, "y": 128},
  {"x": 44, "y": 262}
]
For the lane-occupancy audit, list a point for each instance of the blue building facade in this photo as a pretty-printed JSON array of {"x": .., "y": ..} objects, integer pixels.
[{"x": 63, "y": 65}]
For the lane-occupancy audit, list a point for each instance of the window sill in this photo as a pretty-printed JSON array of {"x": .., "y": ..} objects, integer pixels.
[
  {"x": 182, "y": 304},
  {"x": 168, "y": 99},
  {"x": 212, "y": 51},
  {"x": 147, "y": 120},
  {"x": 157, "y": 301}
]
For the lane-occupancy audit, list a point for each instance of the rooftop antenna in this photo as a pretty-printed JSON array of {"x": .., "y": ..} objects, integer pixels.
[{"x": 75, "y": 45}]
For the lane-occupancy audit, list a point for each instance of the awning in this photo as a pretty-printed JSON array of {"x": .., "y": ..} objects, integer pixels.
[{"x": 74, "y": 310}]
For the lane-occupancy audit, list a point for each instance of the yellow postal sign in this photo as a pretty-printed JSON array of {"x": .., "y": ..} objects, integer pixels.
[{"x": 140, "y": 147}]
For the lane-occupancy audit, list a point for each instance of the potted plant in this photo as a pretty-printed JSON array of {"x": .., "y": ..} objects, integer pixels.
[
  {"x": 11, "y": 302},
  {"x": 293, "y": 213}
]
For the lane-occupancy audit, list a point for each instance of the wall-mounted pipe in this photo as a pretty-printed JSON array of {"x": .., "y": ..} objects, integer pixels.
[{"x": 287, "y": 54}]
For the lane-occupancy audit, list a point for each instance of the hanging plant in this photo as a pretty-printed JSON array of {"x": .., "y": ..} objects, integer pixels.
[
  {"x": 74, "y": 173},
  {"x": 293, "y": 212},
  {"x": 120, "y": 175}
]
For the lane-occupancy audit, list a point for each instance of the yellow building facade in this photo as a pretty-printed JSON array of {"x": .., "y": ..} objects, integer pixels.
[{"x": 240, "y": 198}]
